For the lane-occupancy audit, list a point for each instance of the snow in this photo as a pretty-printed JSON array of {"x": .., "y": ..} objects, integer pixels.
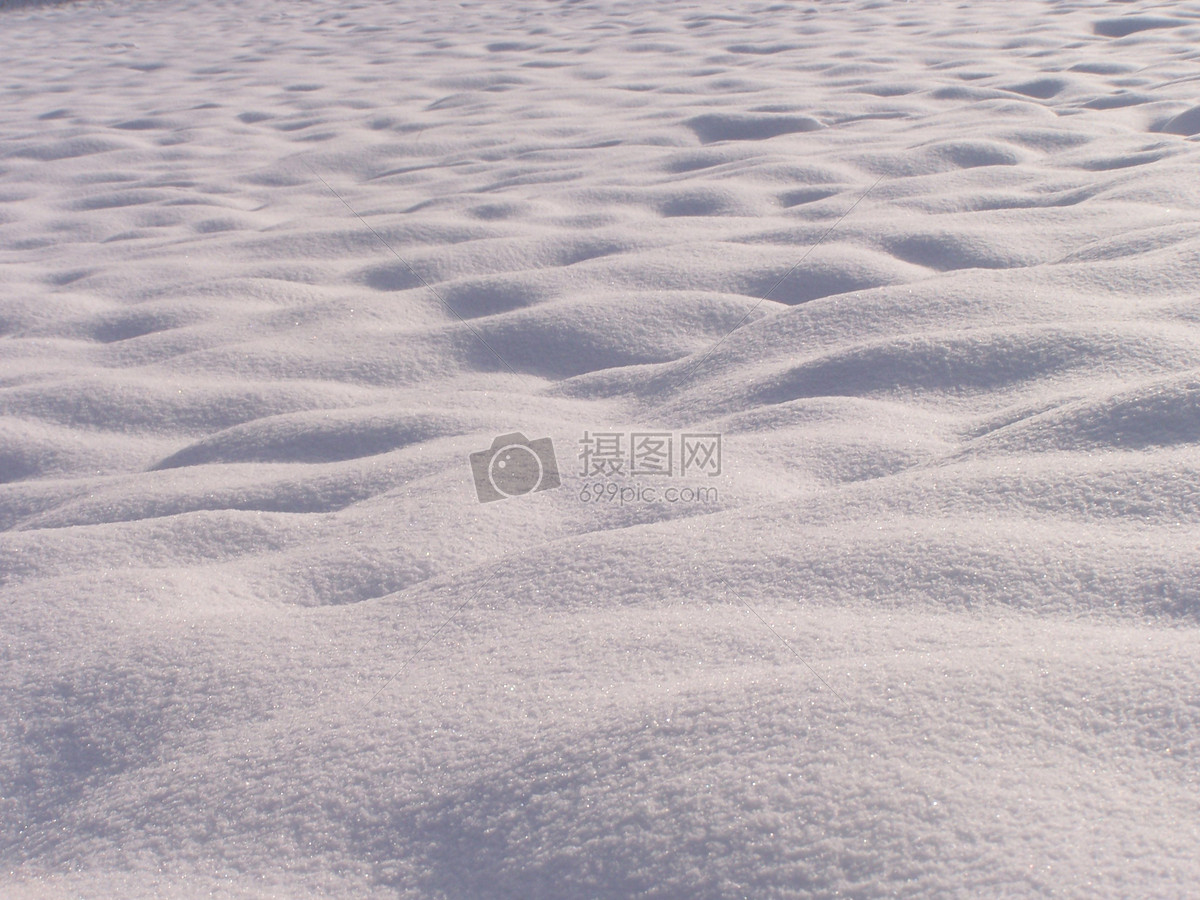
[{"x": 271, "y": 272}]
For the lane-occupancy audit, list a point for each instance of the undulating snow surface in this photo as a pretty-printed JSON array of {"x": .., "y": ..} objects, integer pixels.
[{"x": 270, "y": 272}]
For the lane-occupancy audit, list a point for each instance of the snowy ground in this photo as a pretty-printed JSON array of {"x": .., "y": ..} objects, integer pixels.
[{"x": 271, "y": 271}]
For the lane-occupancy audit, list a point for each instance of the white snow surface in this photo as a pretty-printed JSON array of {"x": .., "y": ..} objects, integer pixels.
[{"x": 271, "y": 271}]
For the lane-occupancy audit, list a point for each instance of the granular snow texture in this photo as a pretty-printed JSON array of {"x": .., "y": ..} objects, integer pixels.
[{"x": 271, "y": 272}]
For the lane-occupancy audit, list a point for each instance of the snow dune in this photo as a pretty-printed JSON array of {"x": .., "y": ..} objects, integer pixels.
[{"x": 271, "y": 272}]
